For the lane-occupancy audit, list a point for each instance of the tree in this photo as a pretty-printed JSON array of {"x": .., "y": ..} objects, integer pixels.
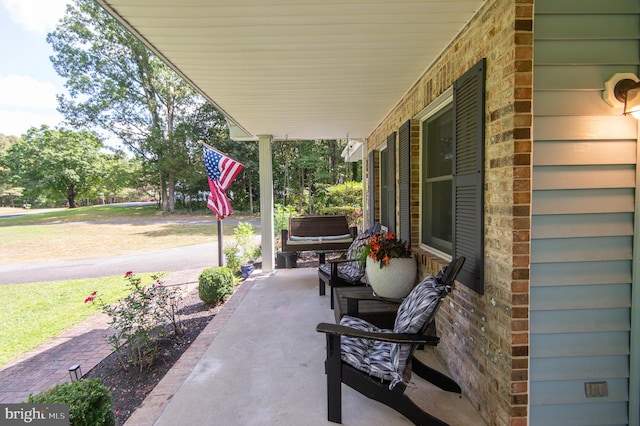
[
  {"x": 7, "y": 141},
  {"x": 302, "y": 168},
  {"x": 120, "y": 174},
  {"x": 7, "y": 191},
  {"x": 54, "y": 163},
  {"x": 116, "y": 84}
]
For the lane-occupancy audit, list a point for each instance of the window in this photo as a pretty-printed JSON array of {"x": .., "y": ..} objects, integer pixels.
[
  {"x": 452, "y": 175},
  {"x": 437, "y": 141}
]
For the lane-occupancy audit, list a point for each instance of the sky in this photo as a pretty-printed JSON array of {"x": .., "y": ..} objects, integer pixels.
[{"x": 28, "y": 82}]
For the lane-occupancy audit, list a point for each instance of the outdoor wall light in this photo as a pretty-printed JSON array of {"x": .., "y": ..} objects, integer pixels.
[
  {"x": 623, "y": 89},
  {"x": 75, "y": 372}
]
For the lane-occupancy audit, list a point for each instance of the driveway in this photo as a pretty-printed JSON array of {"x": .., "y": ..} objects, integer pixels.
[{"x": 174, "y": 259}]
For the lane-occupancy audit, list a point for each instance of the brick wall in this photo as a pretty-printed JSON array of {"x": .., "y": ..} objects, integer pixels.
[{"x": 485, "y": 339}]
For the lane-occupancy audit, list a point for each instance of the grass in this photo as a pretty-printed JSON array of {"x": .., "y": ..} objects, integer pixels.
[
  {"x": 79, "y": 214},
  {"x": 88, "y": 232},
  {"x": 33, "y": 313}
]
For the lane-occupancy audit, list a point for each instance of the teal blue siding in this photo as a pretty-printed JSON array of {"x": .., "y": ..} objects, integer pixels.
[{"x": 583, "y": 206}]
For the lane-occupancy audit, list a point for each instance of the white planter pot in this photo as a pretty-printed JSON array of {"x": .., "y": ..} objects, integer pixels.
[{"x": 394, "y": 280}]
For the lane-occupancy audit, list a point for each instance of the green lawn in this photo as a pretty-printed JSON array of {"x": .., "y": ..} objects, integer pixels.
[
  {"x": 30, "y": 314},
  {"x": 81, "y": 214},
  {"x": 89, "y": 232}
]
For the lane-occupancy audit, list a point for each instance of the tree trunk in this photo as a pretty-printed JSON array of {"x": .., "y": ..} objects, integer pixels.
[
  {"x": 310, "y": 203},
  {"x": 163, "y": 194},
  {"x": 250, "y": 196},
  {"x": 301, "y": 191},
  {"x": 171, "y": 196},
  {"x": 71, "y": 196}
]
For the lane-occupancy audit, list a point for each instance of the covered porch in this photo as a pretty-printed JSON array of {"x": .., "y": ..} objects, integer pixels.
[
  {"x": 260, "y": 361},
  {"x": 296, "y": 70},
  {"x": 555, "y": 244}
]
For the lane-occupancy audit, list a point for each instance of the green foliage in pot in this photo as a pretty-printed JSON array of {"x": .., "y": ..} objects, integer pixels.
[
  {"x": 215, "y": 284},
  {"x": 232, "y": 258},
  {"x": 89, "y": 402},
  {"x": 245, "y": 234}
]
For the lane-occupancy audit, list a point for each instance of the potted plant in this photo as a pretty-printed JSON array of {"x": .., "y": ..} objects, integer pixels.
[
  {"x": 245, "y": 239},
  {"x": 249, "y": 259},
  {"x": 233, "y": 259},
  {"x": 390, "y": 266}
]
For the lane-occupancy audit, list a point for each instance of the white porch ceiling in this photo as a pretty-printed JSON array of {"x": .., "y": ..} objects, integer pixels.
[{"x": 298, "y": 69}]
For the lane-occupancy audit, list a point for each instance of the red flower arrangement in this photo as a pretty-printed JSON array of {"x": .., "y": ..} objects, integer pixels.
[{"x": 384, "y": 247}]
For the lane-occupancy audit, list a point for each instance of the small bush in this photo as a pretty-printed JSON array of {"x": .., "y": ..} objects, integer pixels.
[
  {"x": 140, "y": 319},
  {"x": 89, "y": 402},
  {"x": 245, "y": 237},
  {"x": 232, "y": 257},
  {"x": 353, "y": 214},
  {"x": 215, "y": 284}
]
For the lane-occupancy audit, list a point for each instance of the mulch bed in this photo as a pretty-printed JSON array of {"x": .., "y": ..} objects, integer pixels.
[{"x": 130, "y": 388}]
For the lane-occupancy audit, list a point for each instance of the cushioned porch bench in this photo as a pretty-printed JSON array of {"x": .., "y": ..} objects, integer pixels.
[{"x": 318, "y": 233}]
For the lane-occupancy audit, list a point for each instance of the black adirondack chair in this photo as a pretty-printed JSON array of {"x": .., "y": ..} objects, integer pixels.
[
  {"x": 348, "y": 271},
  {"x": 378, "y": 362}
]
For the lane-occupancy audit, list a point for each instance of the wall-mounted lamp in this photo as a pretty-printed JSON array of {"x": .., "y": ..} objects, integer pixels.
[
  {"x": 623, "y": 89},
  {"x": 75, "y": 372}
]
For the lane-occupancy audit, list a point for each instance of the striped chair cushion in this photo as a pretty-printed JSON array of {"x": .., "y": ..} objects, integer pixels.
[
  {"x": 418, "y": 308},
  {"x": 351, "y": 271},
  {"x": 370, "y": 356},
  {"x": 355, "y": 252},
  {"x": 388, "y": 360}
]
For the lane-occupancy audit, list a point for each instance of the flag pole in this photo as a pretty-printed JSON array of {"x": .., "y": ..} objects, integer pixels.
[
  {"x": 202, "y": 143},
  {"x": 220, "y": 238},
  {"x": 208, "y": 146},
  {"x": 220, "y": 250}
]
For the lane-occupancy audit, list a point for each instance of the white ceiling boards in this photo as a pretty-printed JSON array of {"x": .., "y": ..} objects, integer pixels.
[{"x": 298, "y": 69}]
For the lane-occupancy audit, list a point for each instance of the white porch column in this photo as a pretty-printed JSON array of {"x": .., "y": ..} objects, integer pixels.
[{"x": 266, "y": 203}]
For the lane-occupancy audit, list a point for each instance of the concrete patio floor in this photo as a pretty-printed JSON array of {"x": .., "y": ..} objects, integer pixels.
[{"x": 265, "y": 366}]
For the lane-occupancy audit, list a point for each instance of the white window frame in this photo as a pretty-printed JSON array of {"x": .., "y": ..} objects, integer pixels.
[{"x": 441, "y": 102}]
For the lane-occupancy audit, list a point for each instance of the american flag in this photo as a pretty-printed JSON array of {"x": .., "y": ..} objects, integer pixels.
[{"x": 221, "y": 171}]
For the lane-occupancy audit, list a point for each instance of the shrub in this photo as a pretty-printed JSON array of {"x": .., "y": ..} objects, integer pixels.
[
  {"x": 281, "y": 218},
  {"x": 232, "y": 256},
  {"x": 89, "y": 402},
  {"x": 348, "y": 193},
  {"x": 140, "y": 319},
  {"x": 215, "y": 284},
  {"x": 353, "y": 214},
  {"x": 245, "y": 235}
]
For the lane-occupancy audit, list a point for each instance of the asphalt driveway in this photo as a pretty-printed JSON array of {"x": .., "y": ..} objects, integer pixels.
[
  {"x": 169, "y": 260},
  {"x": 166, "y": 260}
]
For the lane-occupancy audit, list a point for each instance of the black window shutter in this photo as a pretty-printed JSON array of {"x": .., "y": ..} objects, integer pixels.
[
  {"x": 468, "y": 175},
  {"x": 404, "y": 181},
  {"x": 372, "y": 189},
  {"x": 391, "y": 182}
]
